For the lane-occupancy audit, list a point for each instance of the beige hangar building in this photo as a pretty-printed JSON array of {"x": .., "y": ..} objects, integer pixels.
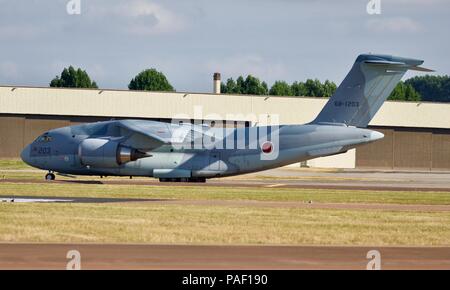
[{"x": 417, "y": 135}]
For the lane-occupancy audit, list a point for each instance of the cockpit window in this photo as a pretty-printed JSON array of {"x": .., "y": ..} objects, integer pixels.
[{"x": 44, "y": 139}]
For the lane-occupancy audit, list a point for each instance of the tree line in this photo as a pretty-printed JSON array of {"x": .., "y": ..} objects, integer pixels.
[
  {"x": 147, "y": 80},
  {"x": 421, "y": 88},
  {"x": 253, "y": 86}
]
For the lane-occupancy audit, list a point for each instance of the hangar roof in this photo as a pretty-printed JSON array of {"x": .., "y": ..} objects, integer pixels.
[{"x": 138, "y": 104}]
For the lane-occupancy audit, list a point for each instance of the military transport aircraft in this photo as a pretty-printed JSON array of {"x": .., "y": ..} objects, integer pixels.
[{"x": 192, "y": 153}]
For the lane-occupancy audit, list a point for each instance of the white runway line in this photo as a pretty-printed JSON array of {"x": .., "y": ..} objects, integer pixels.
[
  {"x": 24, "y": 200},
  {"x": 275, "y": 185}
]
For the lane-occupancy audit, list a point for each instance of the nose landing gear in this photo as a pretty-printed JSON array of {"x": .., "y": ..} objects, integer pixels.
[{"x": 50, "y": 176}]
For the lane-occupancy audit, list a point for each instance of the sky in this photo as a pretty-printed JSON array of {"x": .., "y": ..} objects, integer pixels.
[{"x": 189, "y": 40}]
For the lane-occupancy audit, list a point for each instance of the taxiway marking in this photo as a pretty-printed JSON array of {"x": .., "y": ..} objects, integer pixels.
[{"x": 275, "y": 185}]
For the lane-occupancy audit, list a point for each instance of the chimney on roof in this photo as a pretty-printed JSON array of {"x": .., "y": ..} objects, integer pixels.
[{"x": 217, "y": 83}]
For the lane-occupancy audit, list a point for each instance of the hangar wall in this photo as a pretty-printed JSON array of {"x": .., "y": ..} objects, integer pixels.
[
  {"x": 136, "y": 104},
  {"x": 18, "y": 131},
  {"x": 407, "y": 148},
  {"x": 345, "y": 160}
]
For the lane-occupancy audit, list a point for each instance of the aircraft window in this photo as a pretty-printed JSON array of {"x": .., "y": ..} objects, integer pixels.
[{"x": 44, "y": 139}]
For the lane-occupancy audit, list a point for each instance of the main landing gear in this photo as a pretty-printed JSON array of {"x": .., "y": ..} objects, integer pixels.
[
  {"x": 191, "y": 179},
  {"x": 50, "y": 176}
]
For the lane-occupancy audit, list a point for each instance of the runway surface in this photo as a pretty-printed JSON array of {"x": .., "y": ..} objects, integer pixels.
[
  {"x": 295, "y": 178},
  {"x": 111, "y": 256},
  {"x": 232, "y": 203},
  {"x": 187, "y": 257},
  {"x": 47, "y": 199}
]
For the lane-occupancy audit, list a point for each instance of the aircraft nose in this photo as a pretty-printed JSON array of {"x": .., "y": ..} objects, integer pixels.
[
  {"x": 25, "y": 155},
  {"x": 374, "y": 136}
]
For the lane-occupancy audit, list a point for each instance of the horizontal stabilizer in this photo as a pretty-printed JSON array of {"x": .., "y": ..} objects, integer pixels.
[
  {"x": 419, "y": 68},
  {"x": 384, "y": 62},
  {"x": 393, "y": 64}
]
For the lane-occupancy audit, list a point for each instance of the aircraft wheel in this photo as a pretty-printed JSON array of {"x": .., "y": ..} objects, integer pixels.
[{"x": 50, "y": 176}]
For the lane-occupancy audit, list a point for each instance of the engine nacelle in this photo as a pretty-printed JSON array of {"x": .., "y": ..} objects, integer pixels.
[{"x": 104, "y": 153}]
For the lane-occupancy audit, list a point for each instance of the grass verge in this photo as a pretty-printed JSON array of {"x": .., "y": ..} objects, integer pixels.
[{"x": 174, "y": 224}]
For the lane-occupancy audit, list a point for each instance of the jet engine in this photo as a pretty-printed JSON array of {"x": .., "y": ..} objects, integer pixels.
[{"x": 106, "y": 153}]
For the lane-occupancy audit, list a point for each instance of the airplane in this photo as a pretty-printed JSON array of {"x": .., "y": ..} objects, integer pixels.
[{"x": 176, "y": 152}]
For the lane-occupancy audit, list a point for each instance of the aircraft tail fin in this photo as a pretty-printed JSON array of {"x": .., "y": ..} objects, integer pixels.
[{"x": 368, "y": 84}]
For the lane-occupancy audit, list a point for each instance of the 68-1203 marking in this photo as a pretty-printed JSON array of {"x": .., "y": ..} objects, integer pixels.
[
  {"x": 41, "y": 151},
  {"x": 348, "y": 104}
]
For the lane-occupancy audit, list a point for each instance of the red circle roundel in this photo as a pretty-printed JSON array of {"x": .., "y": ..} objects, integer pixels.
[{"x": 267, "y": 147}]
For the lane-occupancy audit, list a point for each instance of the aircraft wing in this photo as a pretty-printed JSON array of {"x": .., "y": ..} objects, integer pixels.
[{"x": 145, "y": 135}]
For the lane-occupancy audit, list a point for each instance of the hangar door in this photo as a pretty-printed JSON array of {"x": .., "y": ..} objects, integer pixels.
[
  {"x": 441, "y": 151},
  {"x": 407, "y": 149}
]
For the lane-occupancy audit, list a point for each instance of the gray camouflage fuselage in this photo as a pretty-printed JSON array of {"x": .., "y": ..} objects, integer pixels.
[
  {"x": 296, "y": 143},
  {"x": 188, "y": 152}
]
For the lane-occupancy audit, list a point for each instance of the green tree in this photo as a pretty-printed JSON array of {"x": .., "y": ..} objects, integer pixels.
[
  {"x": 280, "y": 88},
  {"x": 398, "y": 94},
  {"x": 249, "y": 86},
  {"x": 150, "y": 80},
  {"x": 240, "y": 85},
  {"x": 411, "y": 94},
  {"x": 432, "y": 88},
  {"x": 229, "y": 88},
  {"x": 299, "y": 89},
  {"x": 253, "y": 86},
  {"x": 314, "y": 88},
  {"x": 329, "y": 88},
  {"x": 404, "y": 92},
  {"x": 73, "y": 78}
]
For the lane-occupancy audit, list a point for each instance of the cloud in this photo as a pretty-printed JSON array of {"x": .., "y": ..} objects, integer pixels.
[
  {"x": 189, "y": 40},
  {"x": 141, "y": 17},
  {"x": 20, "y": 31},
  {"x": 8, "y": 70},
  {"x": 393, "y": 25}
]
